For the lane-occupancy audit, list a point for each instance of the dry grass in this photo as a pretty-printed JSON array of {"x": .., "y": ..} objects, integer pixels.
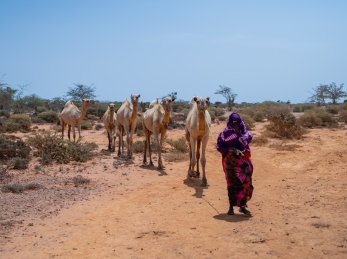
[
  {"x": 284, "y": 147},
  {"x": 175, "y": 156},
  {"x": 179, "y": 144},
  {"x": 259, "y": 141}
]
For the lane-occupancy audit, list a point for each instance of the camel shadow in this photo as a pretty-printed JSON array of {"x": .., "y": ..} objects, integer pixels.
[
  {"x": 196, "y": 184},
  {"x": 231, "y": 218},
  {"x": 162, "y": 172}
]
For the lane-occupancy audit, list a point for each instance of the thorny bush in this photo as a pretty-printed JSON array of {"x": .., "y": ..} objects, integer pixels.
[{"x": 49, "y": 148}]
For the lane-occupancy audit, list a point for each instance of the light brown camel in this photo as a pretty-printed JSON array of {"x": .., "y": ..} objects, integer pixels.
[
  {"x": 110, "y": 124},
  {"x": 126, "y": 119},
  {"x": 154, "y": 121},
  {"x": 72, "y": 116},
  {"x": 198, "y": 124}
]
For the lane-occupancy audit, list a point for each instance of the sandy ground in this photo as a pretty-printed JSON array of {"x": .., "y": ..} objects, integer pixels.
[{"x": 299, "y": 206}]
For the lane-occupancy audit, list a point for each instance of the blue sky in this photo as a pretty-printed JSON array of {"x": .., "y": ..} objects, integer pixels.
[{"x": 262, "y": 50}]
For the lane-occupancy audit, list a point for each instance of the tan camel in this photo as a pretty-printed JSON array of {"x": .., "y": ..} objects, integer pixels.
[
  {"x": 126, "y": 119},
  {"x": 154, "y": 121},
  {"x": 110, "y": 124},
  {"x": 197, "y": 131},
  {"x": 72, "y": 116}
]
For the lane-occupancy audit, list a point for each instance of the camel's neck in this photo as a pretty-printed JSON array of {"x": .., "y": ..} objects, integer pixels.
[
  {"x": 135, "y": 110},
  {"x": 111, "y": 116},
  {"x": 83, "y": 114},
  {"x": 166, "y": 117},
  {"x": 202, "y": 121}
]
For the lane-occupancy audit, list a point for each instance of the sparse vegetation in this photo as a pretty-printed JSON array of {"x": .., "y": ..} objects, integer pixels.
[
  {"x": 179, "y": 144},
  {"x": 18, "y": 163},
  {"x": 85, "y": 125},
  {"x": 80, "y": 180},
  {"x": 19, "y": 188},
  {"x": 249, "y": 122},
  {"x": 50, "y": 148},
  {"x": 317, "y": 117},
  {"x": 285, "y": 127},
  {"x": 259, "y": 140},
  {"x": 48, "y": 116},
  {"x": 98, "y": 126},
  {"x": 18, "y": 122}
]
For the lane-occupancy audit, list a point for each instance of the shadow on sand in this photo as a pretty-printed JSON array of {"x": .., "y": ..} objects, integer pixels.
[
  {"x": 162, "y": 172},
  {"x": 232, "y": 218},
  {"x": 196, "y": 184}
]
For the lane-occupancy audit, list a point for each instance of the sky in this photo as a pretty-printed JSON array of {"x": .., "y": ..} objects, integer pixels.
[{"x": 263, "y": 50}]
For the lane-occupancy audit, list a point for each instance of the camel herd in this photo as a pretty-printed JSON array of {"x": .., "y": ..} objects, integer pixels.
[{"x": 154, "y": 121}]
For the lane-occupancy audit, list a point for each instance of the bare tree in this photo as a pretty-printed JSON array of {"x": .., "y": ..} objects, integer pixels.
[
  {"x": 335, "y": 92},
  {"x": 319, "y": 95},
  {"x": 228, "y": 94},
  {"x": 81, "y": 91}
]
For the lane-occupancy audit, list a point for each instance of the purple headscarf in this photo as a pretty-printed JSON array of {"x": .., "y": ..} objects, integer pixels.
[{"x": 229, "y": 138}]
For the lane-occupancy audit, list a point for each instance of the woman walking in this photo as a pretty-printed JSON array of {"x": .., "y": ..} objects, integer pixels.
[{"x": 232, "y": 143}]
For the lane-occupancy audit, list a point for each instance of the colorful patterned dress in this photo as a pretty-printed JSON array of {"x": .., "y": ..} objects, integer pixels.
[{"x": 238, "y": 169}]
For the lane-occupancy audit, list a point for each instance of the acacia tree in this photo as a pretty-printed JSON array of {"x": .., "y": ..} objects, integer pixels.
[
  {"x": 319, "y": 94},
  {"x": 335, "y": 92},
  {"x": 228, "y": 94},
  {"x": 80, "y": 92},
  {"x": 173, "y": 95}
]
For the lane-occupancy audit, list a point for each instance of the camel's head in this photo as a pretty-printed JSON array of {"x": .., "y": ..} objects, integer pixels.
[
  {"x": 111, "y": 106},
  {"x": 87, "y": 102},
  {"x": 135, "y": 98},
  {"x": 202, "y": 102},
  {"x": 167, "y": 102}
]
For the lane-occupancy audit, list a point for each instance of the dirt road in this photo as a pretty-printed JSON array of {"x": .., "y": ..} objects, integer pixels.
[{"x": 299, "y": 208}]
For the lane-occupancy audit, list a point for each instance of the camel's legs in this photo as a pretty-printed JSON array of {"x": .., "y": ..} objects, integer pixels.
[
  {"x": 79, "y": 131},
  {"x": 120, "y": 142},
  {"x": 160, "y": 162},
  {"x": 203, "y": 162},
  {"x": 198, "y": 158},
  {"x": 128, "y": 141},
  {"x": 62, "y": 129},
  {"x": 149, "y": 148},
  {"x": 73, "y": 132},
  {"x": 109, "y": 138},
  {"x": 132, "y": 130},
  {"x": 68, "y": 131},
  {"x": 193, "y": 157}
]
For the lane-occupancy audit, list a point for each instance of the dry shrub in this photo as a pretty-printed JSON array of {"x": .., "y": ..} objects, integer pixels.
[
  {"x": 79, "y": 180},
  {"x": 343, "y": 116},
  {"x": 284, "y": 126},
  {"x": 50, "y": 148},
  {"x": 222, "y": 118},
  {"x": 259, "y": 141},
  {"x": 248, "y": 121},
  {"x": 55, "y": 128},
  {"x": 179, "y": 144},
  {"x": 250, "y": 111},
  {"x": 282, "y": 147},
  {"x": 217, "y": 111},
  {"x": 98, "y": 126},
  {"x": 175, "y": 156},
  {"x": 4, "y": 175},
  {"x": 138, "y": 146},
  {"x": 18, "y": 122},
  {"x": 18, "y": 188},
  {"x": 48, "y": 116},
  {"x": 139, "y": 125},
  {"x": 333, "y": 109},
  {"x": 317, "y": 117},
  {"x": 258, "y": 116},
  {"x": 10, "y": 149},
  {"x": 18, "y": 163}
]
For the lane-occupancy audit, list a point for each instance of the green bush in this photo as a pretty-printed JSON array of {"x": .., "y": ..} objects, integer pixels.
[
  {"x": 179, "y": 144},
  {"x": 85, "y": 125},
  {"x": 18, "y": 163},
  {"x": 40, "y": 109},
  {"x": 18, "y": 122},
  {"x": 10, "y": 149},
  {"x": 48, "y": 116},
  {"x": 50, "y": 148},
  {"x": 248, "y": 121}
]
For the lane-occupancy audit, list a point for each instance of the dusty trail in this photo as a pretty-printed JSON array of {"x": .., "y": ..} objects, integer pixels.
[{"x": 299, "y": 211}]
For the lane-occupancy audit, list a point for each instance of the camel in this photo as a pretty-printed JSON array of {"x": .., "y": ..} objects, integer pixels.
[
  {"x": 72, "y": 116},
  {"x": 197, "y": 131},
  {"x": 126, "y": 118},
  {"x": 110, "y": 124},
  {"x": 154, "y": 121}
]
